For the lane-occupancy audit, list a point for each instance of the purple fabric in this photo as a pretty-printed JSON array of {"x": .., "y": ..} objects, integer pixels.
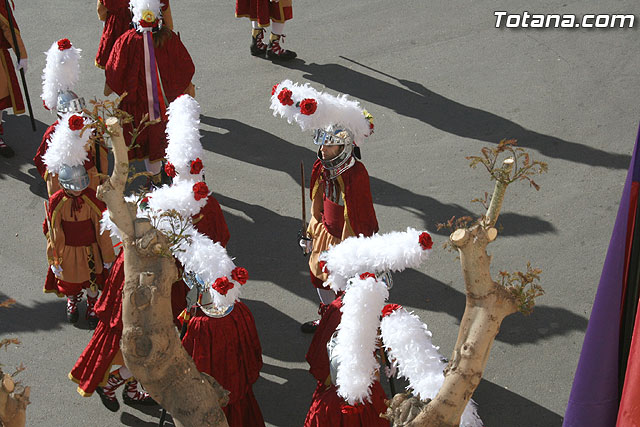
[
  {"x": 154, "y": 77},
  {"x": 594, "y": 396}
]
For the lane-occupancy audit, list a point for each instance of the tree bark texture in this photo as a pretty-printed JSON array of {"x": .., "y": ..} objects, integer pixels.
[
  {"x": 150, "y": 344},
  {"x": 13, "y": 406}
]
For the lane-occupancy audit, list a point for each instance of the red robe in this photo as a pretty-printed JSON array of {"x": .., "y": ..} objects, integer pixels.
[
  {"x": 10, "y": 93},
  {"x": 117, "y": 22},
  {"x": 125, "y": 72},
  {"x": 94, "y": 364},
  {"x": 327, "y": 408},
  {"x": 37, "y": 160},
  {"x": 264, "y": 11},
  {"x": 228, "y": 349}
]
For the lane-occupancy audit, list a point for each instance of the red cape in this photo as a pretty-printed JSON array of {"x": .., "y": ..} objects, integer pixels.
[
  {"x": 357, "y": 192},
  {"x": 37, "y": 160}
]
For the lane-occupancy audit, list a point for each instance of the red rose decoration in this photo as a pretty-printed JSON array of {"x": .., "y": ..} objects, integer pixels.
[
  {"x": 323, "y": 266},
  {"x": 285, "y": 97},
  {"x": 170, "y": 170},
  {"x": 222, "y": 285},
  {"x": 425, "y": 241},
  {"x": 308, "y": 106},
  {"x": 367, "y": 275},
  {"x": 240, "y": 275},
  {"x": 64, "y": 44},
  {"x": 274, "y": 89},
  {"x": 200, "y": 190},
  {"x": 76, "y": 122},
  {"x": 145, "y": 200},
  {"x": 390, "y": 308},
  {"x": 196, "y": 166}
]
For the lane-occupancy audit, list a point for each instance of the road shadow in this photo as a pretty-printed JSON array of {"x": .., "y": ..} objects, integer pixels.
[
  {"x": 499, "y": 407},
  {"x": 19, "y": 136},
  {"x": 277, "y": 154},
  {"x": 414, "y": 100},
  {"x": 417, "y": 290},
  {"x": 42, "y": 316}
]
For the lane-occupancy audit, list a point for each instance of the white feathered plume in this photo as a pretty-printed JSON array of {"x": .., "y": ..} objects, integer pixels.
[
  {"x": 183, "y": 136},
  {"x": 138, "y": 7},
  {"x": 408, "y": 344},
  {"x": 61, "y": 73},
  {"x": 179, "y": 197},
  {"x": 393, "y": 251},
  {"x": 356, "y": 344},
  {"x": 330, "y": 110},
  {"x": 67, "y": 147}
]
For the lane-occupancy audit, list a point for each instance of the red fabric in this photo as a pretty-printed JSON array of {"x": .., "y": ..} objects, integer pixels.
[
  {"x": 332, "y": 217},
  {"x": 629, "y": 411},
  {"x": 210, "y": 222},
  {"x": 125, "y": 72},
  {"x": 357, "y": 193},
  {"x": 93, "y": 365},
  {"x": 62, "y": 288},
  {"x": 37, "y": 160},
  {"x": 117, "y": 23},
  {"x": 326, "y": 405},
  {"x": 263, "y": 11},
  {"x": 228, "y": 349},
  {"x": 14, "y": 87},
  {"x": 78, "y": 233},
  {"x": 326, "y": 409}
]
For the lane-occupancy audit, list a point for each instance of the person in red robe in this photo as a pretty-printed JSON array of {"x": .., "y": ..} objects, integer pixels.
[
  {"x": 10, "y": 93},
  {"x": 327, "y": 407},
  {"x": 262, "y": 13},
  {"x": 149, "y": 63}
]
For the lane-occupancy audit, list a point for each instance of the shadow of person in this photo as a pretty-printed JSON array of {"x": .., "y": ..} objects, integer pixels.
[
  {"x": 415, "y": 289},
  {"x": 414, "y": 100},
  {"x": 43, "y": 316},
  {"x": 277, "y": 154}
]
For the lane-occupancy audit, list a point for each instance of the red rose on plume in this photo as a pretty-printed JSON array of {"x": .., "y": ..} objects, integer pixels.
[
  {"x": 274, "y": 89},
  {"x": 390, "y": 308},
  {"x": 196, "y": 166},
  {"x": 170, "y": 170},
  {"x": 285, "y": 97},
  {"x": 200, "y": 190},
  {"x": 64, "y": 44},
  {"x": 222, "y": 285},
  {"x": 425, "y": 241},
  {"x": 323, "y": 266},
  {"x": 76, "y": 122},
  {"x": 240, "y": 275},
  {"x": 308, "y": 106},
  {"x": 145, "y": 200},
  {"x": 364, "y": 276}
]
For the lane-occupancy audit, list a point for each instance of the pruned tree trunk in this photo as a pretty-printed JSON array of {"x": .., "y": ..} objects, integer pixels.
[
  {"x": 487, "y": 304},
  {"x": 13, "y": 406},
  {"x": 150, "y": 344}
]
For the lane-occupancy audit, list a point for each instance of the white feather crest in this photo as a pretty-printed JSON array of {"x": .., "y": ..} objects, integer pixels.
[
  {"x": 356, "y": 340},
  {"x": 67, "y": 147},
  {"x": 61, "y": 72},
  {"x": 107, "y": 224},
  {"x": 393, "y": 251},
  {"x": 139, "y": 6},
  {"x": 408, "y": 344},
  {"x": 179, "y": 197},
  {"x": 331, "y": 110},
  {"x": 183, "y": 135}
]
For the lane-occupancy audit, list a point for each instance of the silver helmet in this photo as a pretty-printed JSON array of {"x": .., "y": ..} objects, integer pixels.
[
  {"x": 73, "y": 177},
  {"x": 205, "y": 302},
  {"x": 333, "y": 358},
  {"x": 334, "y": 135},
  {"x": 69, "y": 102}
]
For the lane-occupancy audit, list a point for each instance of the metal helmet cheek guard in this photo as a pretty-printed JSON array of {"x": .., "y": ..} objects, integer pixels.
[
  {"x": 73, "y": 178},
  {"x": 69, "y": 102},
  {"x": 331, "y": 137},
  {"x": 205, "y": 302}
]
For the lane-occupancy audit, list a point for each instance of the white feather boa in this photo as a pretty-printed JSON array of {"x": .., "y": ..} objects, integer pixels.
[
  {"x": 356, "y": 340},
  {"x": 408, "y": 344},
  {"x": 178, "y": 197},
  {"x": 67, "y": 147},
  {"x": 183, "y": 136},
  {"x": 331, "y": 110},
  {"x": 61, "y": 73},
  {"x": 393, "y": 251}
]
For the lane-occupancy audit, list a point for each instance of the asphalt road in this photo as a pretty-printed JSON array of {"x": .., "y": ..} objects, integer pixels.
[{"x": 441, "y": 82}]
